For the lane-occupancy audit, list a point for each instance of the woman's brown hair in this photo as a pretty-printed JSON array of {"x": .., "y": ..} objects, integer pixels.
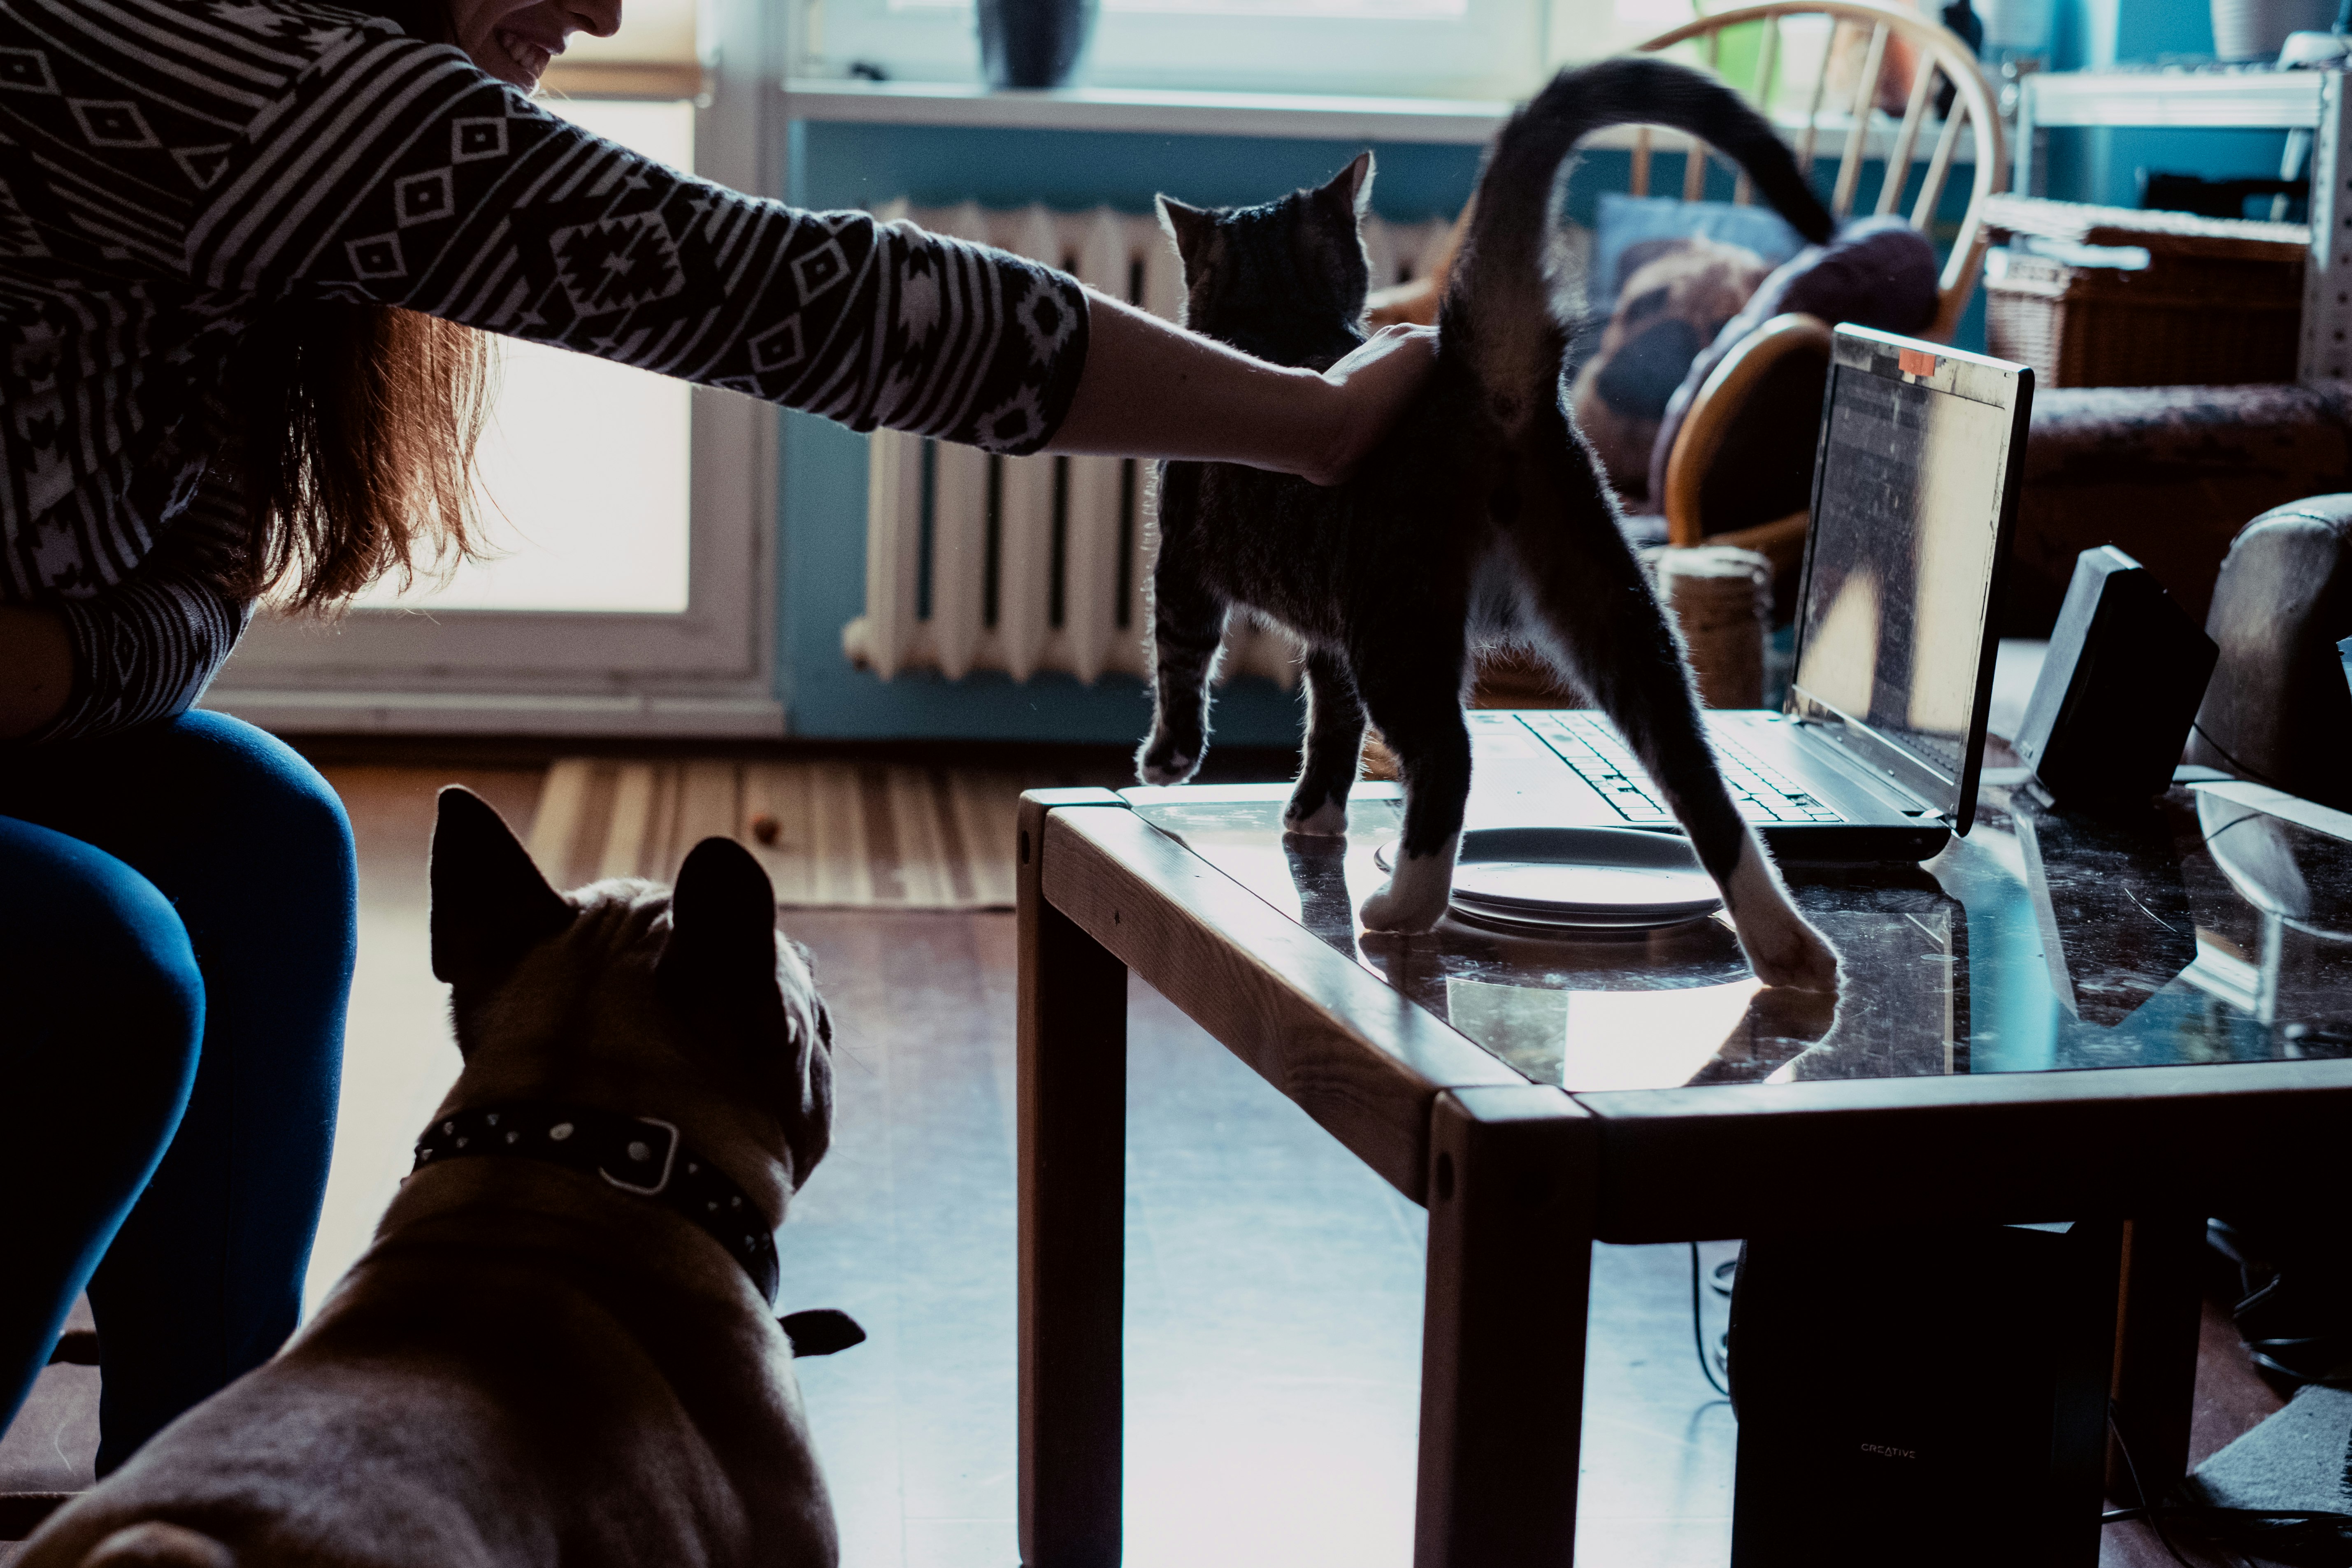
[{"x": 361, "y": 427}]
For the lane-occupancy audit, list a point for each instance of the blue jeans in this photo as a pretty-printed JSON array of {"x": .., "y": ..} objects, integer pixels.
[{"x": 177, "y": 914}]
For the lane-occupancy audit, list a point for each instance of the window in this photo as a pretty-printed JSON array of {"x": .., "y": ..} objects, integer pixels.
[
  {"x": 1446, "y": 10},
  {"x": 634, "y": 588},
  {"x": 1457, "y": 49},
  {"x": 583, "y": 520}
]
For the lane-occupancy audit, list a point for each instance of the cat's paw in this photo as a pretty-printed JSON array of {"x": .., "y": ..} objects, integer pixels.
[
  {"x": 1782, "y": 946},
  {"x": 1780, "y": 1017},
  {"x": 1164, "y": 759},
  {"x": 1389, "y": 911},
  {"x": 1792, "y": 953},
  {"x": 1415, "y": 897},
  {"x": 1329, "y": 820}
]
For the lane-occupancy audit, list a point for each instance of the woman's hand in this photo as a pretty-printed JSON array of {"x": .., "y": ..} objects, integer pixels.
[{"x": 1374, "y": 383}]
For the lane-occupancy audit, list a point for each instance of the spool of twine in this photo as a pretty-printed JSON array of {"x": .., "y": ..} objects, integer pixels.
[{"x": 1722, "y": 600}]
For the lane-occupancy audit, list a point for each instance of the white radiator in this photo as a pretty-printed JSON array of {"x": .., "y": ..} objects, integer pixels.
[{"x": 975, "y": 561}]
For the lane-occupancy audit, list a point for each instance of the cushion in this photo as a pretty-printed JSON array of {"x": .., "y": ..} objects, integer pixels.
[
  {"x": 1879, "y": 273},
  {"x": 1626, "y": 221},
  {"x": 1677, "y": 295}
]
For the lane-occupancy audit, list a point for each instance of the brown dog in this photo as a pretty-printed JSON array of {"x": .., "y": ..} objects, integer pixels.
[{"x": 542, "y": 1360}]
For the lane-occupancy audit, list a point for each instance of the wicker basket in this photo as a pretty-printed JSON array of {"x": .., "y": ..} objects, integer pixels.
[{"x": 2219, "y": 304}]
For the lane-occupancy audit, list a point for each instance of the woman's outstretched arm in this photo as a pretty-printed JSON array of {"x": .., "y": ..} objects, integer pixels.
[
  {"x": 1149, "y": 389},
  {"x": 540, "y": 230}
]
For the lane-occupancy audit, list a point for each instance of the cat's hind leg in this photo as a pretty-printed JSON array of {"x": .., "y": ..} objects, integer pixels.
[
  {"x": 1187, "y": 626},
  {"x": 1334, "y": 753},
  {"x": 1585, "y": 585},
  {"x": 1416, "y": 697}
]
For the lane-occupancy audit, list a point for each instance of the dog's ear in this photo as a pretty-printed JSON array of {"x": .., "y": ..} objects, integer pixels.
[
  {"x": 723, "y": 968},
  {"x": 490, "y": 905},
  {"x": 721, "y": 955}
]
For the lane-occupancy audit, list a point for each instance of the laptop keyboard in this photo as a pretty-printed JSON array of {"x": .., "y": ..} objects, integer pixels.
[{"x": 1591, "y": 745}]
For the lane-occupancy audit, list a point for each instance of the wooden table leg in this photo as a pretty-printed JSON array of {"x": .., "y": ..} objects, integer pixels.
[
  {"x": 2155, "y": 1351},
  {"x": 1502, "y": 1363},
  {"x": 1073, "y": 1168}
]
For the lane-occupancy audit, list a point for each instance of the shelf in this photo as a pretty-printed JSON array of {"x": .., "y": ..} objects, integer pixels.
[
  {"x": 1461, "y": 121},
  {"x": 1298, "y": 115},
  {"x": 2273, "y": 101}
]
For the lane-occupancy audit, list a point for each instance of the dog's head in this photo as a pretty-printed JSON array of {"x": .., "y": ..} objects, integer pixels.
[{"x": 684, "y": 1004}]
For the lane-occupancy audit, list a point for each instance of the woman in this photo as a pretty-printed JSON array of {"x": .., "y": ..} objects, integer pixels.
[{"x": 239, "y": 242}]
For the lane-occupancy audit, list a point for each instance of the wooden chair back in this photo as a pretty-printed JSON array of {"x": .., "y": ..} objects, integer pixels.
[{"x": 1890, "y": 39}]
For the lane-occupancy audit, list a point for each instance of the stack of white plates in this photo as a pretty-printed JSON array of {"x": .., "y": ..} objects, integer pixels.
[{"x": 1580, "y": 880}]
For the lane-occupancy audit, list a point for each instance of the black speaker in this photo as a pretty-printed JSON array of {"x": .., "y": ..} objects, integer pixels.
[
  {"x": 2126, "y": 670},
  {"x": 1934, "y": 1399}
]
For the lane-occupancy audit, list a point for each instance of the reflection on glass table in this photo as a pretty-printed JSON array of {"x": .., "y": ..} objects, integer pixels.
[{"x": 2208, "y": 929}]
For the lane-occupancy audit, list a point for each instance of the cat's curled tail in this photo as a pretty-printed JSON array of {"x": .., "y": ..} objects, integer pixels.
[
  {"x": 1587, "y": 599},
  {"x": 1498, "y": 310}
]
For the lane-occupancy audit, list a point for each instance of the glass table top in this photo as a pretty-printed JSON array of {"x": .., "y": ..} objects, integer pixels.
[{"x": 2204, "y": 929}]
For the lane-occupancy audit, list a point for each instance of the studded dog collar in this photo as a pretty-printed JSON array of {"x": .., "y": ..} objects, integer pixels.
[{"x": 640, "y": 1156}]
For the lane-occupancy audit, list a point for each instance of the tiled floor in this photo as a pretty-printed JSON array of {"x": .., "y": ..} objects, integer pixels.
[{"x": 1274, "y": 1285}]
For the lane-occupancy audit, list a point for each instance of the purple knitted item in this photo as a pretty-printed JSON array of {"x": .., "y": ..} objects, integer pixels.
[{"x": 1878, "y": 273}]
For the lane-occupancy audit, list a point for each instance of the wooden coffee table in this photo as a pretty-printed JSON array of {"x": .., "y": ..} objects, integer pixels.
[{"x": 2053, "y": 1020}]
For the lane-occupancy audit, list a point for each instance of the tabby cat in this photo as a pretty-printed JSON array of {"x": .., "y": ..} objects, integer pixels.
[{"x": 1481, "y": 521}]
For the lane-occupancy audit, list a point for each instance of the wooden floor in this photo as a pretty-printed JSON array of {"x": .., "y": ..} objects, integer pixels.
[{"x": 1274, "y": 1285}]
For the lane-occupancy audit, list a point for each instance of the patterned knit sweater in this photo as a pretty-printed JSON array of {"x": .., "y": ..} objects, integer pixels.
[{"x": 169, "y": 168}]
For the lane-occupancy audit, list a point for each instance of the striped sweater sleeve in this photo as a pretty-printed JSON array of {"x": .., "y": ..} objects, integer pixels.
[
  {"x": 397, "y": 172},
  {"x": 146, "y": 648}
]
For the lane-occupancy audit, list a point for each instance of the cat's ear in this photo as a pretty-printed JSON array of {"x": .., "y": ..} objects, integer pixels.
[
  {"x": 1351, "y": 189},
  {"x": 490, "y": 905},
  {"x": 1188, "y": 227}
]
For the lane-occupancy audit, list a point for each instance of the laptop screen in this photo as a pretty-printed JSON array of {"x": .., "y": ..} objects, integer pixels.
[{"x": 1913, "y": 491}]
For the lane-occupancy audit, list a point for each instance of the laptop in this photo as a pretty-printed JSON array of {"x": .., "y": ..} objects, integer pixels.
[{"x": 1876, "y": 756}]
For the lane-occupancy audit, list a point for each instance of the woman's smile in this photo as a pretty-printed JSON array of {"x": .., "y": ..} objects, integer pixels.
[
  {"x": 530, "y": 58},
  {"x": 515, "y": 42}
]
